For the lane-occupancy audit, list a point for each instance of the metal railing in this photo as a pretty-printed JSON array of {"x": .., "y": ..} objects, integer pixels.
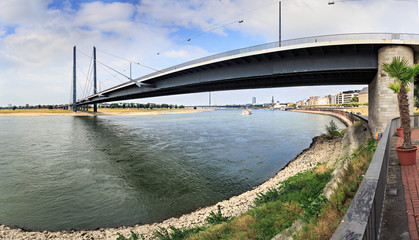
[
  {"x": 352, "y": 117},
  {"x": 363, "y": 219}
]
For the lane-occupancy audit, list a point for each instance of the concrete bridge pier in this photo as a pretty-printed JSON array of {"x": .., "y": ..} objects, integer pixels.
[{"x": 382, "y": 102}]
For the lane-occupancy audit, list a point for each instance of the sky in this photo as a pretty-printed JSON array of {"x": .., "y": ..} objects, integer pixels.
[{"x": 37, "y": 39}]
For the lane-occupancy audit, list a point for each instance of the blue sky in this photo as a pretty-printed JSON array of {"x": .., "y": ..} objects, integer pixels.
[{"x": 37, "y": 37}]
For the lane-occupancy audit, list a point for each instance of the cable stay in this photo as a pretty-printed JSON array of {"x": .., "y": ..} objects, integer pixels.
[
  {"x": 113, "y": 75},
  {"x": 183, "y": 42},
  {"x": 86, "y": 89},
  {"x": 139, "y": 64},
  {"x": 107, "y": 66}
]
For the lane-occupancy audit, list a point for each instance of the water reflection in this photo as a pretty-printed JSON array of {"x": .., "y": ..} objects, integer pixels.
[{"x": 89, "y": 172}]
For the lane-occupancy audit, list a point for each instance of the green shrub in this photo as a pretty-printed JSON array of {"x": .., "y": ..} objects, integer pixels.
[
  {"x": 132, "y": 237},
  {"x": 176, "y": 233},
  {"x": 271, "y": 195},
  {"x": 314, "y": 208},
  {"x": 333, "y": 131},
  {"x": 218, "y": 218}
]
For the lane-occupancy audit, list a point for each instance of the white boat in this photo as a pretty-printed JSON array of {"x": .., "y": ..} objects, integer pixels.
[{"x": 246, "y": 112}]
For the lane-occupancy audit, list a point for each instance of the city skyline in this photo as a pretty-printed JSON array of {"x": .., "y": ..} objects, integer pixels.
[
  {"x": 36, "y": 40},
  {"x": 210, "y": 97}
]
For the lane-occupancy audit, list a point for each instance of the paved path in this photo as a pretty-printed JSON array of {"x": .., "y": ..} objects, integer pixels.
[{"x": 410, "y": 178}]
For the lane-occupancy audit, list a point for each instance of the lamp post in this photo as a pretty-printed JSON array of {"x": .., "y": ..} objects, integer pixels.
[{"x": 279, "y": 20}]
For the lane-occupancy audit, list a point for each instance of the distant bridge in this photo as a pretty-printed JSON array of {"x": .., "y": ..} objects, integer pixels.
[{"x": 322, "y": 60}]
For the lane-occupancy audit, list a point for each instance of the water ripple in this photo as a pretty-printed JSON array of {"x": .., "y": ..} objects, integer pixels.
[{"x": 83, "y": 173}]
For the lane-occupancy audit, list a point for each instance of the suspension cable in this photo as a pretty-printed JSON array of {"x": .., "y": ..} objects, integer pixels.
[
  {"x": 107, "y": 66},
  {"x": 139, "y": 64}
]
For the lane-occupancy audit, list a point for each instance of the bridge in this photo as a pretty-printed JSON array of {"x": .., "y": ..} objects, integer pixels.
[{"x": 322, "y": 60}]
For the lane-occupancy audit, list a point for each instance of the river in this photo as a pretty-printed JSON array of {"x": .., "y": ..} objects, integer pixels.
[{"x": 66, "y": 172}]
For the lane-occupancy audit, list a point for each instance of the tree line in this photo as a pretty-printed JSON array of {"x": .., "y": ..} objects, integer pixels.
[{"x": 141, "y": 105}]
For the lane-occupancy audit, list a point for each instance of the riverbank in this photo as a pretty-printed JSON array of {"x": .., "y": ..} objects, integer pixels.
[
  {"x": 320, "y": 151},
  {"x": 54, "y": 112},
  {"x": 343, "y": 119}
]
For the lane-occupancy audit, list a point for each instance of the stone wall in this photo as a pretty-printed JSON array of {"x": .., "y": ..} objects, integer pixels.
[{"x": 381, "y": 100}]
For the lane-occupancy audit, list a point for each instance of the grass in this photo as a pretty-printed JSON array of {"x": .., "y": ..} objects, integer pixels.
[
  {"x": 275, "y": 210},
  {"x": 324, "y": 225},
  {"x": 297, "y": 198}
]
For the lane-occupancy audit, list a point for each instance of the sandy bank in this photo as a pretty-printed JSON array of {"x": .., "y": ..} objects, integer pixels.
[
  {"x": 320, "y": 151},
  {"x": 104, "y": 113}
]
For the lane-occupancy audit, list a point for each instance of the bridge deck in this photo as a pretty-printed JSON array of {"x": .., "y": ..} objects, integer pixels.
[{"x": 321, "y": 60}]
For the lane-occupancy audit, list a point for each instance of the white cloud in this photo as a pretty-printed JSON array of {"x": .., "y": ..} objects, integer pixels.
[
  {"x": 23, "y": 12},
  {"x": 186, "y": 53},
  {"x": 36, "y": 41}
]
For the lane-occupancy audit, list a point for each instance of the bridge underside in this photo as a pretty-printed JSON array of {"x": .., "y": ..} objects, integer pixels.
[
  {"x": 284, "y": 80},
  {"x": 322, "y": 65}
]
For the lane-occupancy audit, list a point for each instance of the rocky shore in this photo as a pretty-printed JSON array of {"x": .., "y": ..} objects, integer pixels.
[{"x": 321, "y": 150}]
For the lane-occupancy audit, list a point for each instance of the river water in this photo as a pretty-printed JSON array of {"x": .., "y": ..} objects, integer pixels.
[{"x": 66, "y": 172}]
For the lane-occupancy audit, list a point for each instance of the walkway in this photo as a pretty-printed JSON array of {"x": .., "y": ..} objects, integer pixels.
[{"x": 410, "y": 178}]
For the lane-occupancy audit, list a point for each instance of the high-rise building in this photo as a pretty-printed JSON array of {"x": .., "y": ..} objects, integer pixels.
[{"x": 253, "y": 100}]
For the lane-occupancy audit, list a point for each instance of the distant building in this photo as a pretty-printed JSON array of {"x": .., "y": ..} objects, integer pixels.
[
  {"x": 322, "y": 101},
  {"x": 313, "y": 100},
  {"x": 300, "y": 103},
  {"x": 363, "y": 95},
  {"x": 9, "y": 106},
  {"x": 333, "y": 99},
  {"x": 346, "y": 96},
  {"x": 279, "y": 105},
  {"x": 253, "y": 100}
]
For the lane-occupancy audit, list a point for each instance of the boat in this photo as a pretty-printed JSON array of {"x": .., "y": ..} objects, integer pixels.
[{"x": 246, "y": 112}]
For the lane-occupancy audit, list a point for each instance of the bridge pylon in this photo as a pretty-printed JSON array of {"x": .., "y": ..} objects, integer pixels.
[
  {"x": 74, "y": 81},
  {"x": 382, "y": 102}
]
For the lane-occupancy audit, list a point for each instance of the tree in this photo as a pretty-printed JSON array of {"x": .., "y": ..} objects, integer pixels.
[
  {"x": 403, "y": 74},
  {"x": 355, "y": 99}
]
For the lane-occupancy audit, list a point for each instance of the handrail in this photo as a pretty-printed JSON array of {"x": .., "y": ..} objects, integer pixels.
[
  {"x": 349, "y": 115},
  {"x": 364, "y": 216}
]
